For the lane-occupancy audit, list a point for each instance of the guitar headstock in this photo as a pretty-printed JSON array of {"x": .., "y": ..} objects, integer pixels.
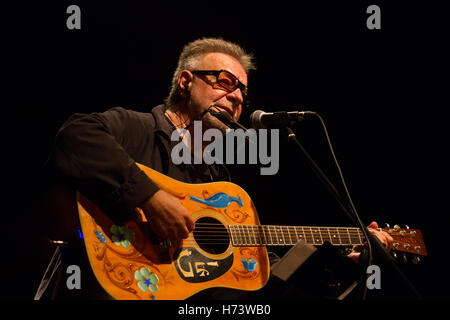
[{"x": 407, "y": 240}]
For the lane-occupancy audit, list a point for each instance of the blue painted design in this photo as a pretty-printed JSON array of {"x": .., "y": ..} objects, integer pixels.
[
  {"x": 80, "y": 234},
  {"x": 146, "y": 280},
  {"x": 100, "y": 236},
  {"x": 249, "y": 265},
  {"x": 219, "y": 200}
]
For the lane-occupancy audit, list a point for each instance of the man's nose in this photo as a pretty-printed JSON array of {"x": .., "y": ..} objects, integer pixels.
[
  {"x": 237, "y": 99},
  {"x": 236, "y": 96}
]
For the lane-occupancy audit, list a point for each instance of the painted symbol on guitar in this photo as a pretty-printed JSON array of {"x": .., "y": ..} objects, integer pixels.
[
  {"x": 219, "y": 200},
  {"x": 100, "y": 236},
  {"x": 249, "y": 264},
  {"x": 146, "y": 280},
  {"x": 122, "y": 236},
  {"x": 194, "y": 267}
]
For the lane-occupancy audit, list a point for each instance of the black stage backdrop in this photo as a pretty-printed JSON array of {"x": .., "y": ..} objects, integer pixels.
[{"x": 374, "y": 88}]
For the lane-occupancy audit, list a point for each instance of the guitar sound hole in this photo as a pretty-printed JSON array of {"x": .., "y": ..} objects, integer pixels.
[{"x": 211, "y": 235}]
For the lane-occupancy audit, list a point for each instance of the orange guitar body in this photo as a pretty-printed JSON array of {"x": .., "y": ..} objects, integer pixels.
[{"x": 130, "y": 263}]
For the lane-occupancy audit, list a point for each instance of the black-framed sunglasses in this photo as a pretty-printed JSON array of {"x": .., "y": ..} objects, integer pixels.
[{"x": 226, "y": 80}]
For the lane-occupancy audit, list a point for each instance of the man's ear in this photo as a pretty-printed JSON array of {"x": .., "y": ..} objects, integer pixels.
[{"x": 185, "y": 81}]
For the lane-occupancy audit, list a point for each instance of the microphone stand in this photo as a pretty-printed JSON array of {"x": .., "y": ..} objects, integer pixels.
[{"x": 375, "y": 246}]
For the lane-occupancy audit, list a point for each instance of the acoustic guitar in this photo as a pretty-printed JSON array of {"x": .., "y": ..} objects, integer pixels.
[{"x": 226, "y": 249}]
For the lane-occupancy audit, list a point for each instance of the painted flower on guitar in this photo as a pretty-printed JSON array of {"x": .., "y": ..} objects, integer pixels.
[
  {"x": 146, "y": 279},
  {"x": 121, "y": 235}
]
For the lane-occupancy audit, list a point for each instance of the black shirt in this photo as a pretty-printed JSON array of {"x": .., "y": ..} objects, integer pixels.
[{"x": 98, "y": 154}]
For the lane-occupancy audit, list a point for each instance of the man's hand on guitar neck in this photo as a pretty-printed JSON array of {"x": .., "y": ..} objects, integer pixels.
[
  {"x": 167, "y": 216},
  {"x": 384, "y": 237}
]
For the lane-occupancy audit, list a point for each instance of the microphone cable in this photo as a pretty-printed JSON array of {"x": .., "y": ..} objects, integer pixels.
[
  {"x": 349, "y": 198},
  {"x": 352, "y": 213}
]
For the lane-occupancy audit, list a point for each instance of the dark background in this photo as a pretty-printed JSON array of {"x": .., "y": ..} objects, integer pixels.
[{"x": 375, "y": 90}]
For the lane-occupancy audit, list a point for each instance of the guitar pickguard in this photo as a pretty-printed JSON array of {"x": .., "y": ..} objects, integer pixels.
[{"x": 194, "y": 267}]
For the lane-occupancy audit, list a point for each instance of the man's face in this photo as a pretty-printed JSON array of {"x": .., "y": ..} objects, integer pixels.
[{"x": 204, "y": 91}]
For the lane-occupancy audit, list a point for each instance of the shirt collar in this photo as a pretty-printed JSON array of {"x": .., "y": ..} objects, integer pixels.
[{"x": 163, "y": 124}]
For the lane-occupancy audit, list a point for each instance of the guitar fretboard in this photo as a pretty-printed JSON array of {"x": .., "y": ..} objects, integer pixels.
[{"x": 251, "y": 235}]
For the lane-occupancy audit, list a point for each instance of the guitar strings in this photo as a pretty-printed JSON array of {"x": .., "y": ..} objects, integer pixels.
[
  {"x": 280, "y": 228},
  {"x": 272, "y": 230},
  {"x": 275, "y": 229},
  {"x": 217, "y": 233}
]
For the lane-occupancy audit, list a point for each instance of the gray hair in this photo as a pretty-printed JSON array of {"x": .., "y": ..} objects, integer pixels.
[{"x": 189, "y": 59}]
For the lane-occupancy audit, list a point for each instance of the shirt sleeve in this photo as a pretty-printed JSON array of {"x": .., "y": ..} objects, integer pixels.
[{"x": 94, "y": 152}]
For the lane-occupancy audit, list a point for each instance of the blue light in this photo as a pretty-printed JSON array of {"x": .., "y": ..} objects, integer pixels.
[{"x": 80, "y": 234}]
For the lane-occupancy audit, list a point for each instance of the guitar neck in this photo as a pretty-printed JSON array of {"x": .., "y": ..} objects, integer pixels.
[{"x": 258, "y": 235}]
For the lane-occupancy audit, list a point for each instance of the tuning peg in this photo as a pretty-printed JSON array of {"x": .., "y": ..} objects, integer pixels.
[
  {"x": 405, "y": 259},
  {"x": 394, "y": 254},
  {"x": 416, "y": 259},
  {"x": 396, "y": 227},
  {"x": 387, "y": 225},
  {"x": 406, "y": 226}
]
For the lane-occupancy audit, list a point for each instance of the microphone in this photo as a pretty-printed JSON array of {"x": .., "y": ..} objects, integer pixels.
[
  {"x": 260, "y": 119},
  {"x": 226, "y": 118}
]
